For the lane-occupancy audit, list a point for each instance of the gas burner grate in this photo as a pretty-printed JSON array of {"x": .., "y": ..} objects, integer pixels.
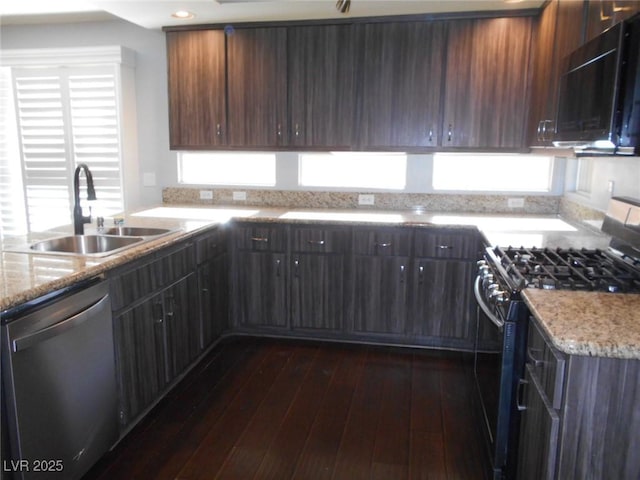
[{"x": 572, "y": 269}]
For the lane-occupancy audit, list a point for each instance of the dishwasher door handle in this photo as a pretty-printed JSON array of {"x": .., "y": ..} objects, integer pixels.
[{"x": 26, "y": 341}]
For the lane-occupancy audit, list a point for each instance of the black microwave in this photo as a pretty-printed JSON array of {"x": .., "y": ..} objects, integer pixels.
[{"x": 599, "y": 97}]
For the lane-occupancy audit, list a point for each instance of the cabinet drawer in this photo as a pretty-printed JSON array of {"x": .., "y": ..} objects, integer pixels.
[
  {"x": 382, "y": 241},
  {"x": 319, "y": 240},
  {"x": 447, "y": 243},
  {"x": 547, "y": 364},
  {"x": 261, "y": 238},
  {"x": 210, "y": 245}
]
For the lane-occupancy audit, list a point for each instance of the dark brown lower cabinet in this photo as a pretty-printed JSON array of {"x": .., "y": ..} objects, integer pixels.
[
  {"x": 182, "y": 325},
  {"x": 539, "y": 428},
  {"x": 140, "y": 357},
  {"x": 213, "y": 285},
  {"x": 317, "y": 291},
  {"x": 380, "y": 294},
  {"x": 581, "y": 415},
  {"x": 443, "y": 312},
  {"x": 260, "y": 289}
]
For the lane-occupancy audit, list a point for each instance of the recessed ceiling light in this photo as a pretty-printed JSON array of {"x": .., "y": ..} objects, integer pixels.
[{"x": 183, "y": 15}]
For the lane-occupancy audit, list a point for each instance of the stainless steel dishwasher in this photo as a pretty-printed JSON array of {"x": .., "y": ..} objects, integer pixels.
[{"x": 60, "y": 385}]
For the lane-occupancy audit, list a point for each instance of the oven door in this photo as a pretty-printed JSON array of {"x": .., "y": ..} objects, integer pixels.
[{"x": 497, "y": 356}]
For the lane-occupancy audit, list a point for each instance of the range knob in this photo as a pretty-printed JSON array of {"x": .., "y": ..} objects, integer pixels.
[{"x": 498, "y": 296}]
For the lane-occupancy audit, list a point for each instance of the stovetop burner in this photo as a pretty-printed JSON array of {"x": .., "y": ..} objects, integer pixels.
[{"x": 573, "y": 269}]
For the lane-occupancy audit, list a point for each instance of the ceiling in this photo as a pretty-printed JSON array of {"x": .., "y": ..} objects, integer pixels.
[{"x": 154, "y": 14}]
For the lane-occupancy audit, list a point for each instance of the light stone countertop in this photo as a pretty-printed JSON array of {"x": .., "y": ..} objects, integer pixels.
[{"x": 578, "y": 322}]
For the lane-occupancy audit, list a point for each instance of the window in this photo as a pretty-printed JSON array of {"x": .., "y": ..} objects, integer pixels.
[
  {"x": 353, "y": 170},
  {"x": 496, "y": 173},
  {"x": 61, "y": 116},
  {"x": 249, "y": 169}
]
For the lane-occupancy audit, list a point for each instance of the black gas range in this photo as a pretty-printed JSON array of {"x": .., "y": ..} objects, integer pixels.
[{"x": 502, "y": 319}]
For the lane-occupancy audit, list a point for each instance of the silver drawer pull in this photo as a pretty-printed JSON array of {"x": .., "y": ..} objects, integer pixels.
[
  {"x": 383, "y": 244},
  {"x": 315, "y": 242},
  {"x": 531, "y": 357},
  {"x": 260, "y": 239},
  {"x": 445, "y": 247}
]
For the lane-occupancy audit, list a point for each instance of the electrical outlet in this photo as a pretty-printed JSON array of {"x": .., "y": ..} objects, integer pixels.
[
  {"x": 239, "y": 196},
  {"x": 366, "y": 199},
  {"x": 206, "y": 195},
  {"x": 610, "y": 185},
  {"x": 515, "y": 202}
]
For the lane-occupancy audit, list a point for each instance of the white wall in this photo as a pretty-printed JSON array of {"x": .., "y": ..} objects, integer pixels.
[
  {"x": 150, "y": 78},
  {"x": 624, "y": 172}
]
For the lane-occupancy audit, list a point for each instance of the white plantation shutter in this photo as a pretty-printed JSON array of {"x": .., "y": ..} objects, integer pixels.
[
  {"x": 12, "y": 212},
  {"x": 67, "y": 116}
]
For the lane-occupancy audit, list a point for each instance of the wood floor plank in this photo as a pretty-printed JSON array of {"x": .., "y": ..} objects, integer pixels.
[
  {"x": 252, "y": 446},
  {"x": 288, "y": 409},
  {"x": 358, "y": 441},
  {"x": 281, "y": 458},
  {"x": 318, "y": 458},
  {"x": 391, "y": 452}
]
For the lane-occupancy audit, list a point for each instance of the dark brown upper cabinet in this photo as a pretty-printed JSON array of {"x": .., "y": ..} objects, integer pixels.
[
  {"x": 321, "y": 86},
  {"x": 401, "y": 84},
  {"x": 197, "y": 88},
  {"x": 257, "y": 87},
  {"x": 560, "y": 30},
  {"x": 604, "y": 14},
  {"x": 486, "y": 83}
]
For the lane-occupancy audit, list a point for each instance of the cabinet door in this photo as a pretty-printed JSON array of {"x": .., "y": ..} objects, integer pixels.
[
  {"x": 443, "y": 305},
  {"x": 213, "y": 279},
  {"x": 260, "y": 289},
  {"x": 317, "y": 286},
  {"x": 604, "y": 14},
  {"x": 380, "y": 294},
  {"x": 182, "y": 325},
  {"x": 140, "y": 357},
  {"x": 539, "y": 428},
  {"x": 321, "y": 86},
  {"x": 257, "y": 87},
  {"x": 401, "y": 84},
  {"x": 197, "y": 106},
  {"x": 543, "y": 84},
  {"x": 486, "y": 83}
]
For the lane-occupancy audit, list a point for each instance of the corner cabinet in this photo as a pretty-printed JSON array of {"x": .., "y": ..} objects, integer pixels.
[
  {"x": 197, "y": 89},
  {"x": 486, "y": 83}
]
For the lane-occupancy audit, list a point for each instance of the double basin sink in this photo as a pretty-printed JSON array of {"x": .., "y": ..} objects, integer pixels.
[{"x": 106, "y": 242}]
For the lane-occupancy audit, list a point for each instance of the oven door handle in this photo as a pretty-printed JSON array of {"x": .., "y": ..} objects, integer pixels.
[{"x": 476, "y": 290}]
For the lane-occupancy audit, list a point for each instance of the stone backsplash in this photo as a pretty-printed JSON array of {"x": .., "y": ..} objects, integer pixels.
[{"x": 543, "y": 205}]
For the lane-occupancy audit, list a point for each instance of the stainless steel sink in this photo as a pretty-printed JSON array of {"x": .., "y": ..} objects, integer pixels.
[
  {"x": 136, "y": 231},
  {"x": 96, "y": 245}
]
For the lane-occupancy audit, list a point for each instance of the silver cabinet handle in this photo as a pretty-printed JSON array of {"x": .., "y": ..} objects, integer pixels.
[
  {"x": 402, "y": 269},
  {"x": 445, "y": 247},
  {"x": 279, "y": 130},
  {"x": 315, "y": 242},
  {"x": 218, "y": 129},
  {"x": 450, "y": 133},
  {"x": 260, "y": 239},
  {"x": 420, "y": 274},
  {"x": 278, "y": 267},
  {"x": 383, "y": 245},
  {"x": 296, "y": 264},
  {"x": 430, "y": 135},
  {"x": 296, "y": 130},
  {"x": 158, "y": 312}
]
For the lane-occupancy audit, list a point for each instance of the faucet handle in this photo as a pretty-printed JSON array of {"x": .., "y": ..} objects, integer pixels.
[
  {"x": 100, "y": 222},
  {"x": 118, "y": 221}
]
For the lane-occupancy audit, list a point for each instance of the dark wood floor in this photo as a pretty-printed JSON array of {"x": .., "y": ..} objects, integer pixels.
[{"x": 284, "y": 409}]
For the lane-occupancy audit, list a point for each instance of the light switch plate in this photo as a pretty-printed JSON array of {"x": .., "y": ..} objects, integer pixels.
[{"x": 206, "y": 195}]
